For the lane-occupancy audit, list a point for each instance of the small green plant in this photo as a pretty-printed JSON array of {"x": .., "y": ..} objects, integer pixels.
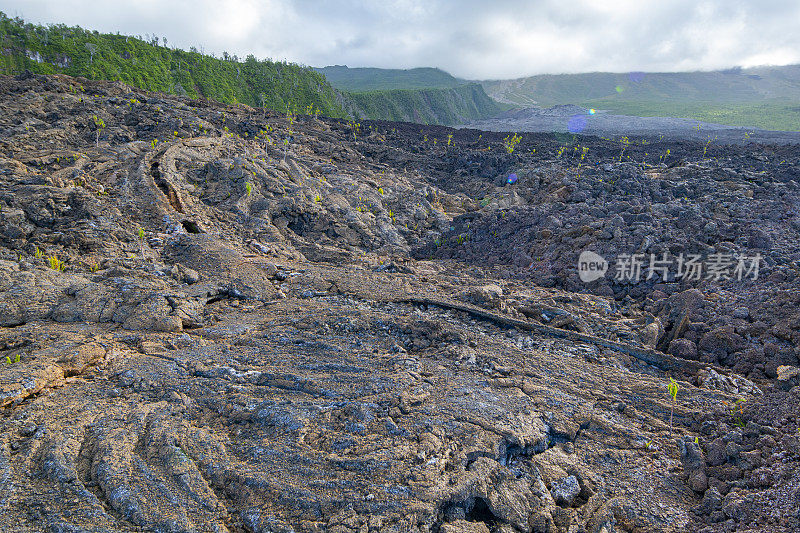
[
  {"x": 705, "y": 148},
  {"x": 56, "y": 264},
  {"x": 664, "y": 157},
  {"x": 354, "y": 127},
  {"x": 673, "y": 391},
  {"x": 153, "y": 143},
  {"x": 39, "y": 254},
  {"x": 265, "y": 135},
  {"x": 449, "y": 139},
  {"x": 249, "y": 187},
  {"x": 737, "y": 410},
  {"x": 100, "y": 126},
  {"x": 16, "y": 359},
  {"x": 625, "y": 143},
  {"x": 584, "y": 151},
  {"x": 140, "y": 234},
  {"x": 511, "y": 142}
]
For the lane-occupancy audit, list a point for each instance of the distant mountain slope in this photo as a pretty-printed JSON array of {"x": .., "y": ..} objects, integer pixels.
[
  {"x": 766, "y": 97},
  {"x": 571, "y": 119},
  {"x": 153, "y": 67},
  {"x": 424, "y": 95},
  {"x": 728, "y": 86},
  {"x": 447, "y": 106},
  {"x": 379, "y": 79}
]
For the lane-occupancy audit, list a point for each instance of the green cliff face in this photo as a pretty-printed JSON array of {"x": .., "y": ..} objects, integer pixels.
[{"x": 447, "y": 106}]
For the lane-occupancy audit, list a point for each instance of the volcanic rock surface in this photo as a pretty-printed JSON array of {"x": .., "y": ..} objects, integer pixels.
[{"x": 215, "y": 318}]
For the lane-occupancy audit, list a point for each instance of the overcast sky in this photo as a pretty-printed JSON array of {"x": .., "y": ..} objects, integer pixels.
[{"x": 471, "y": 39}]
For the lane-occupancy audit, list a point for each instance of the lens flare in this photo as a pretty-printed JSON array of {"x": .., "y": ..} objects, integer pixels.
[
  {"x": 512, "y": 178},
  {"x": 576, "y": 124},
  {"x": 636, "y": 77},
  {"x": 592, "y": 111}
]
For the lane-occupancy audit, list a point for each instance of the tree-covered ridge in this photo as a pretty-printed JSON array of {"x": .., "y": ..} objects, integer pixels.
[{"x": 153, "y": 66}]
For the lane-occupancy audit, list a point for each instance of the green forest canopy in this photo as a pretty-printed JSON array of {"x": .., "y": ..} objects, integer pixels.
[{"x": 153, "y": 66}]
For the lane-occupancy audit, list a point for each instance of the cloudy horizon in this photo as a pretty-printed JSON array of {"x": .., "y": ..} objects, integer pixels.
[{"x": 470, "y": 39}]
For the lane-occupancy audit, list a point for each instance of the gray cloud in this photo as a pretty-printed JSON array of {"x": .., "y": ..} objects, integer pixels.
[{"x": 472, "y": 39}]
